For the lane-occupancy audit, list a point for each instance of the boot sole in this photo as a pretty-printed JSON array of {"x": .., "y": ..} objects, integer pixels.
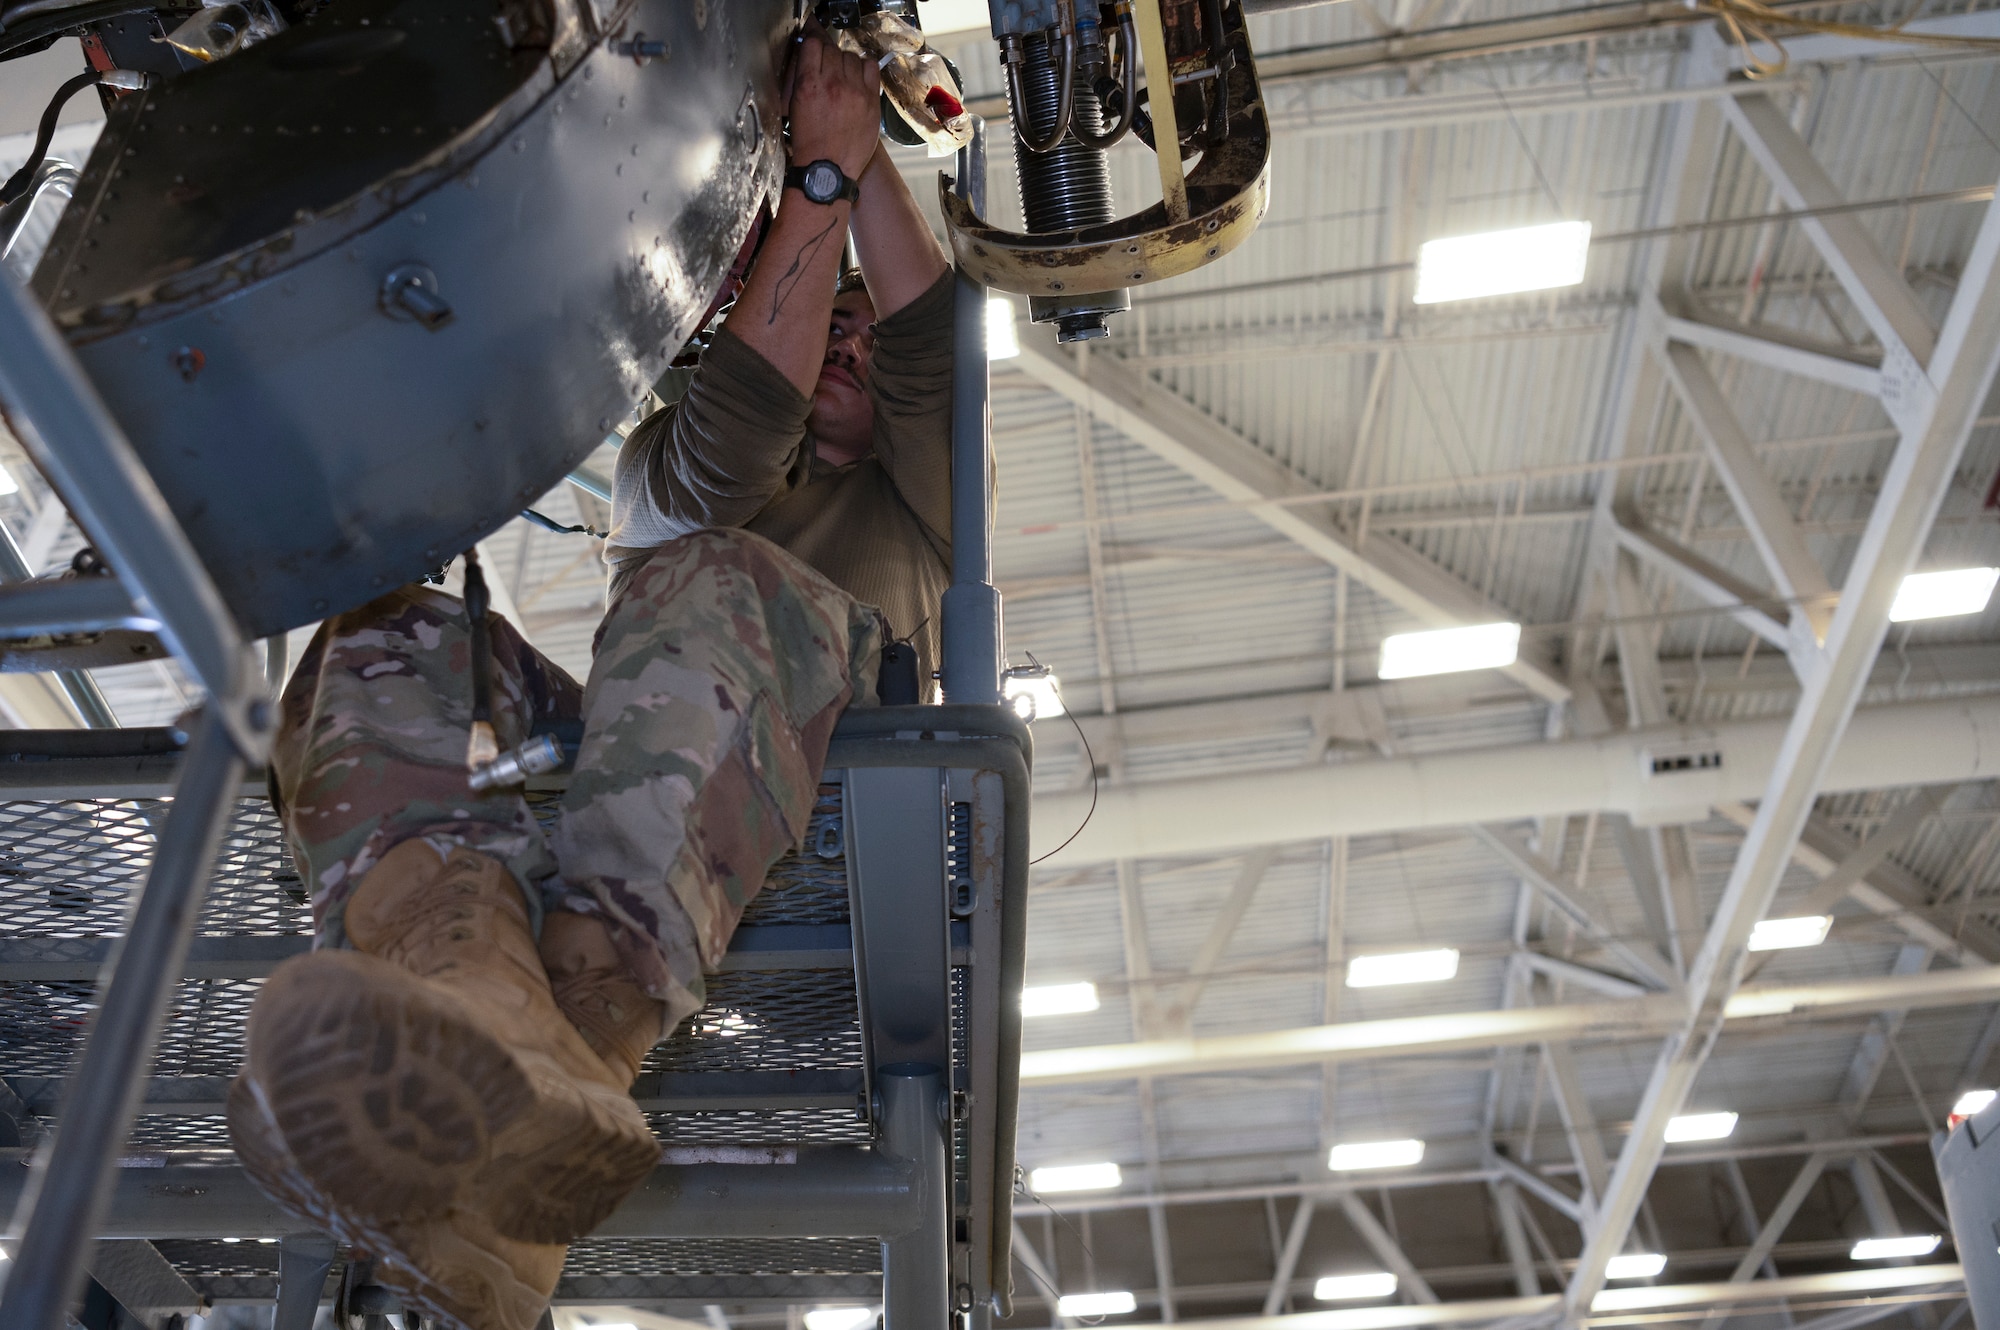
[
  {"x": 563, "y": 1170},
  {"x": 398, "y": 1103},
  {"x": 487, "y": 1295},
  {"x": 383, "y": 1097}
]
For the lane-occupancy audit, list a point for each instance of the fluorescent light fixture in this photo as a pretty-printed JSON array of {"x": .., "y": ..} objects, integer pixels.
[
  {"x": 232, "y": 1239},
  {"x": 267, "y": 1242},
  {"x": 1058, "y": 999},
  {"x": 627, "y": 1325},
  {"x": 1096, "y": 1304},
  {"x": 1075, "y": 1177},
  {"x": 832, "y": 1318},
  {"x": 1700, "y": 1127},
  {"x": 1888, "y": 1249},
  {"x": 1971, "y": 1102},
  {"x": 1485, "y": 646},
  {"x": 1635, "y": 1265},
  {"x": 1034, "y": 696},
  {"x": 1350, "y": 1288},
  {"x": 1353, "y": 1155},
  {"x": 1002, "y": 343},
  {"x": 1806, "y": 930},
  {"x": 1941, "y": 595},
  {"x": 1500, "y": 263},
  {"x": 1402, "y": 967}
]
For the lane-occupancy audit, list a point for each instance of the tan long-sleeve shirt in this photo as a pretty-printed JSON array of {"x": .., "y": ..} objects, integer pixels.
[{"x": 735, "y": 452}]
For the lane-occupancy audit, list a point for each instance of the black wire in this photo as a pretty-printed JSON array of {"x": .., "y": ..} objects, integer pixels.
[
  {"x": 1062, "y": 1219},
  {"x": 482, "y": 643},
  {"x": 548, "y": 523},
  {"x": 1088, "y": 756},
  {"x": 17, "y": 184}
]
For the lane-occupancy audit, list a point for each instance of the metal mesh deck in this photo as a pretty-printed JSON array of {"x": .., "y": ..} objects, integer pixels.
[
  {"x": 602, "y": 1269},
  {"x": 69, "y": 869}
]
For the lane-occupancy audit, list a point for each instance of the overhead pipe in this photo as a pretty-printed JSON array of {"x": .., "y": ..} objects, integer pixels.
[{"x": 1912, "y": 743}]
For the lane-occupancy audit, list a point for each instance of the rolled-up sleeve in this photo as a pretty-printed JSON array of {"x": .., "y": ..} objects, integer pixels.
[
  {"x": 716, "y": 457},
  {"x": 910, "y": 380}
]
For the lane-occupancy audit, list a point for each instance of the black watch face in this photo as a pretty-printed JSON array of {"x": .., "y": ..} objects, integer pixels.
[{"x": 822, "y": 182}]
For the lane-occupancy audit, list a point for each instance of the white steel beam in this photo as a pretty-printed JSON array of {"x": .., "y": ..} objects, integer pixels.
[
  {"x": 1877, "y": 289},
  {"x": 1780, "y": 349},
  {"x": 1709, "y": 581},
  {"x": 1657, "y": 859},
  {"x": 1781, "y": 545},
  {"x": 1507, "y": 1203},
  {"x": 1773, "y": 1227},
  {"x": 1855, "y": 868},
  {"x": 1887, "y": 889},
  {"x": 1934, "y": 435},
  {"x": 1556, "y": 969},
  {"x": 1041, "y": 1283},
  {"x": 1419, "y": 1036},
  {"x": 1546, "y": 879},
  {"x": 1874, "y": 1049},
  {"x": 1179, "y": 433},
  {"x": 1538, "y": 1186},
  {"x": 1288, "y": 1258},
  {"x": 1881, "y": 1283},
  {"x": 1387, "y": 1250},
  {"x": 1914, "y": 743},
  {"x": 1179, "y": 1015},
  {"x": 1585, "y": 1145}
]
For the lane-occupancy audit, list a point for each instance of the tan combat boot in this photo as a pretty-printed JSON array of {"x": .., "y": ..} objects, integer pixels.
[
  {"x": 430, "y": 1068},
  {"x": 594, "y": 989},
  {"x": 456, "y": 1268}
]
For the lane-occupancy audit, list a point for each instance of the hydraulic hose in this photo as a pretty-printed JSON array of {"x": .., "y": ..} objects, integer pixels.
[
  {"x": 1017, "y": 98},
  {"x": 17, "y": 184},
  {"x": 1128, "y": 55}
]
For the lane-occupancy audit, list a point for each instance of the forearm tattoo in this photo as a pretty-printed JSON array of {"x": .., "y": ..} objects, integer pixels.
[{"x": 789, "y": 282}]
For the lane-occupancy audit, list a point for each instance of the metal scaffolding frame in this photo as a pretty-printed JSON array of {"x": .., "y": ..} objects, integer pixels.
[{"x": 934, "y": 803}]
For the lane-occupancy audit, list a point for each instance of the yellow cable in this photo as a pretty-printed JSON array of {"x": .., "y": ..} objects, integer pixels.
[{"x": 1752, "y": 21}]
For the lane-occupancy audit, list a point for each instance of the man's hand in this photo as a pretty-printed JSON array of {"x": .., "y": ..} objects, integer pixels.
[{"x": 836, "y": 107}]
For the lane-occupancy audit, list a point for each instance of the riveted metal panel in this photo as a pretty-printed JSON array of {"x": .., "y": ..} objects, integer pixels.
[{"x": 318, "y": 444}]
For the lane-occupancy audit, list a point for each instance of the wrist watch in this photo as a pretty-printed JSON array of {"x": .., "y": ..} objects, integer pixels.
[{"x": 822, "y": 181}]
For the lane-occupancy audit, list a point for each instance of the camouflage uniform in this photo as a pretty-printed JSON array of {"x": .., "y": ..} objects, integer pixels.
[{"x": 719, "y": 671}]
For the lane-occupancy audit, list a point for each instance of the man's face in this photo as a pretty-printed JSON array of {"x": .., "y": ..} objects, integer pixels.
[{"x": 842, "y": 419}]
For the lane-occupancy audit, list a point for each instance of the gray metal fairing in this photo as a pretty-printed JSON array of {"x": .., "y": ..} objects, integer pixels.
[{"x": 224, "y": 287}]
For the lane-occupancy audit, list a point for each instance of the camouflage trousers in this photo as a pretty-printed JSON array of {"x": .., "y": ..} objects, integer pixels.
[{"x": 716, "y": 678}]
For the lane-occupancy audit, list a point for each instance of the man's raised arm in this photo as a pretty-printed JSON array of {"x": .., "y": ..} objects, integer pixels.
[{"x": 721, "y": 453}]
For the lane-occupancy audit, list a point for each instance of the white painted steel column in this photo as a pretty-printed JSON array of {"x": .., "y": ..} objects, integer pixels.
[{"x": 1934, "y": 436}]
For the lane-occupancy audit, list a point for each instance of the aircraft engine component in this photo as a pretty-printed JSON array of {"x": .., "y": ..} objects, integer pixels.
[
  {"x": 1075, "y": 258},
  {"x": 361, "y": 291},
  {"x": 1067, "y": 186}
]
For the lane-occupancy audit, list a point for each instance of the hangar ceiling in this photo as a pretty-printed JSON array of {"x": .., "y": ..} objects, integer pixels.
[{"x": 1675, "y": 476}]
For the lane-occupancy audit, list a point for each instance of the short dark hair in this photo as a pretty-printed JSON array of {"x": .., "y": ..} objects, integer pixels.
[{"x": 850, "y": 281}]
